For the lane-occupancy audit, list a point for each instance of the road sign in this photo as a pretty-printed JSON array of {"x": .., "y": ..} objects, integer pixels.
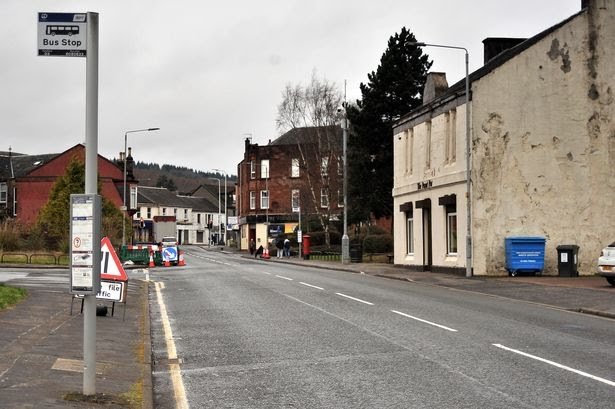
[
  {"x": 169, "y": 253},
  {"x": 62, "y": 34},
  {"x": 111, "y": 291},
  {"x": 110, "y": 265}
]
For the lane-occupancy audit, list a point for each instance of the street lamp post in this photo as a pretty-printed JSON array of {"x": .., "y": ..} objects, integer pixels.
[
  {"x": 345, "y": 238},
  {"x": 225, "y": 204},
  {"x": 124, "y": 208},
  {"x": 468, "y": 153},
  {"x": 219, "y": 204}
]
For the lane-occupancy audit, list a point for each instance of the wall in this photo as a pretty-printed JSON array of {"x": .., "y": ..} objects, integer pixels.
[{"x": 544, "y": 144}]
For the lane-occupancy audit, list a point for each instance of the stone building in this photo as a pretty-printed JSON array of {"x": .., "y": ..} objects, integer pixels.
[
  {"x": 542, "y": 154},
  {"x": 297, "y": 175}
]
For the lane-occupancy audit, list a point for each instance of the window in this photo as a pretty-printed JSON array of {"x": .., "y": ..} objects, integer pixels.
[
  {"x": 133, "y": 197},
  {"x": 265, "y": 169},
  {"x": 451, "y": 136},
  {"x": 252, "y": 200},
  {"x": 340, "y": 198},
  {"x": 340, "y": 166},
  {"x": 14, "y": 201},
  {"x": 409, "y": 150},
  {"x": 185, "y": 214},
  {"x": 294, "y": 168},
  {"x": 409, "y": 234},
  {"x": 264, "y": 199},
  {"x": 324, "y": 167},
  {"x": 3, "y": 193},
  {"x": 149, "y": 212},
  {"x": 324, "y": 197},
  {"x": 252, "y": 170},
  {"x": 175, "y": 212},
  {"x": 198, "y": 218},
  {"x": 295, "y": 200},
  {"x": 164, "y": 211},
  {"x": 451, "y": 229},
  {"x": 428, "y": 145}
]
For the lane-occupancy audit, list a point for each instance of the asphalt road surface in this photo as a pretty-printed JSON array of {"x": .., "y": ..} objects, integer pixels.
[{"x": 233, "y": 332}]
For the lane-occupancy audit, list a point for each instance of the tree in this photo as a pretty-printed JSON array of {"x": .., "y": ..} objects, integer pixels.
[
  {"x": 54, "y": 217},
  {"x": 315, "y": 107},
  {"x": 393, "y": 90},
  {"x": 167, "y": 183}
]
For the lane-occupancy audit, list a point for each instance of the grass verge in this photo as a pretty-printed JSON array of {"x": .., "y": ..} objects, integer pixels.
[{"x": 10, "y": 296}]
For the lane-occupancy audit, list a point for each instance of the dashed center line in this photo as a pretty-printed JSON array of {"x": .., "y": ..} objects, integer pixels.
[
  {"x": 424, "y": 321},
  {"x": 546, "y": 361},
  {"x": 284, "y": 278},
  {"x": 354, "y": 299},
  {"x": 310, "y": 285}
]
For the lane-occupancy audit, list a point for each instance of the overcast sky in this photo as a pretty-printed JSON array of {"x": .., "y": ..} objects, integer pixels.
[{"x": 208, "y": 73}]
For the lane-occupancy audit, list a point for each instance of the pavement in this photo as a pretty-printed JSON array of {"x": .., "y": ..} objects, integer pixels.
[{"x": 41, "y": 342}]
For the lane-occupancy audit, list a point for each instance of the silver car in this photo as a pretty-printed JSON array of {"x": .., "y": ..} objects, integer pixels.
[{"x": 606, "y": 263}]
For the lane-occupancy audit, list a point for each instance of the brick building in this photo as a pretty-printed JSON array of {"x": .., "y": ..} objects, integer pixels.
[
  {"x": 26, "y": 181},
  {"x": 297, "y": 176}
]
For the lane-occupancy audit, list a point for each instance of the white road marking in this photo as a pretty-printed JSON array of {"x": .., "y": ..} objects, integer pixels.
[
  {"x": 425, "y": 321},
  {"x": 310, "y": 285},
  {"x": 354, "y": 299},
  {"x": 546, "y": 361},
  {"x": 284, "y": 278},
  {"x": 264, "y": 272},
  {"x": 176, "y": 378}
]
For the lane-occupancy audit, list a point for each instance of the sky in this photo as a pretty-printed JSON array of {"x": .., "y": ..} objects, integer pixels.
[{"x": 209, "y": 74}]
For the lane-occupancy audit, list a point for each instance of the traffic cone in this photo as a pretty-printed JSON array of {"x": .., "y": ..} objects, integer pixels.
[
  {"x": 182, "y": 262},
  {"x": 151, "y": 260},
  {"x": 266, "y": 254},
  {"x": 167, "y": 263}
]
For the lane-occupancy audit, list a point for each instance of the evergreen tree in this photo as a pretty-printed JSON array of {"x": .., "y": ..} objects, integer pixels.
[{"x": 393, "y": 90}]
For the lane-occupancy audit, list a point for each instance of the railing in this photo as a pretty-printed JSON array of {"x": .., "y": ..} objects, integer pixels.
[{"x": 35, "y": 258}]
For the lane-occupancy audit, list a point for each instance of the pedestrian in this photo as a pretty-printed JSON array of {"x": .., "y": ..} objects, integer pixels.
[
  {"x": 259, "y": 251},
  {"x": 279, "y": 244},
  {"x": 287, "y": 248},
  {"x": 252, "y": 247}
]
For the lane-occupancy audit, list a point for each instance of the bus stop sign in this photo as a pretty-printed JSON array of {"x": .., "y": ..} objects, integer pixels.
[{"x": 62, "y": 34}]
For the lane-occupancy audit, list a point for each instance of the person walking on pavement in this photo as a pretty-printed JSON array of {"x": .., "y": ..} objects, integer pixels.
[
  {"x": 287, "y": 248},
  {"x": 279, "y": 244}
]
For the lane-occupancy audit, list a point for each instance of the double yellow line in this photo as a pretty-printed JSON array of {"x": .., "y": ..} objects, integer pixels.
[{"x": 174, "y": 370}]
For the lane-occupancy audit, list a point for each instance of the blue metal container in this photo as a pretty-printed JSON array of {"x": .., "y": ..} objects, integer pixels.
[{"x": 525, "y": 254}]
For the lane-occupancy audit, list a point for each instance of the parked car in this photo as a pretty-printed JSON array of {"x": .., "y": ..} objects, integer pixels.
[
  {"x": 606, "y": 263},
  {"x": 169, "y": 241}
]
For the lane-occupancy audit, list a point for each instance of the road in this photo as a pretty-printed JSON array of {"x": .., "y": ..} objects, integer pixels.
[{"x": 233, "y": 332}]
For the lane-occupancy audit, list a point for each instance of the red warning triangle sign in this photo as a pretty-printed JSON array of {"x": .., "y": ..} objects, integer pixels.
[{"x": 110, "y": 265}]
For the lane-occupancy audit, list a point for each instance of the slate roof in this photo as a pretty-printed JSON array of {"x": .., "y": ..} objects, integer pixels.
[
  {"x": 310, "y": 135},
  {"x": 21, "y": 163},
  {"x": 158, "y": 196},
  {"x": 491, "y": 65}
]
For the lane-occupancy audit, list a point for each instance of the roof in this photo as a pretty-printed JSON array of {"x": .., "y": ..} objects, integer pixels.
[
  {"x": 491, "y": 65},
  {"x": 311, "y": 134},
  {"x": 159, "y": 196},
  {"x": 21, "y": 164}
]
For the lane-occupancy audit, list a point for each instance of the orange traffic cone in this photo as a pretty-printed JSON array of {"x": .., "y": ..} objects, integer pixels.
[
  {"x": 266, "y": 254},
  {"x": 167, "y": 263},
  {"x": 151, "y": 260},
  {"x": 182, "y": 262}
]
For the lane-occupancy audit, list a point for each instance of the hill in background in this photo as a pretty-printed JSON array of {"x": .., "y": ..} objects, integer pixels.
[{"x": 177, "y": 178}]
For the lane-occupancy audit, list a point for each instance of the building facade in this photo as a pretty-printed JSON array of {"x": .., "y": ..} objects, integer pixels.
[
  {"x": 197, "y": 218},
  {"x": 292, "y": 179},
  {"x": 541, "y": 158}
]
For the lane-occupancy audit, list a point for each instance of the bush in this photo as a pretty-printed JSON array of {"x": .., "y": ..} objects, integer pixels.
[
  {"x": 378, "y": 243},
  {"x": 10, "y": 236}
]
